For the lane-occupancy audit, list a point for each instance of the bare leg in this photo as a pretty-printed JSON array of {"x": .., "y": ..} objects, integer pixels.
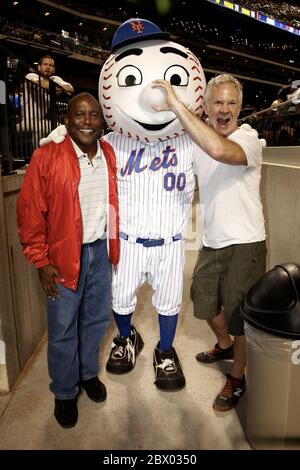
[
  {"x": 239, "y": 360},
  {"x": 219, "y": 326},
  {"x": 235, "y": 385}
]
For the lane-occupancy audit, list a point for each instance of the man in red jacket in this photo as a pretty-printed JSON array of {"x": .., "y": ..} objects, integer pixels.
[{"x": 67, "y": 209}]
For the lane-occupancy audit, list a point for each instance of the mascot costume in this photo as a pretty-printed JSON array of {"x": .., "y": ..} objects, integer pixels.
[{"x": 155, "y": 185}]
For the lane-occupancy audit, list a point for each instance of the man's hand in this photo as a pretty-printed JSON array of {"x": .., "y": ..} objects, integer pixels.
[
  {"x": 67, "y": 87},
  {"x": 33, "y": 77},
  {"x": 47, "y": 275},
  {"x": 57, "y": 135},
  {"x": 59, "y": 81},
  {"x": 171, "y": 100}
]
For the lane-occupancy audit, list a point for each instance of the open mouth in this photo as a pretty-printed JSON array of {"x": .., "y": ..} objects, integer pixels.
[
  {"x": 223, "y": 121},
  {"x": 155, "y": 127}
]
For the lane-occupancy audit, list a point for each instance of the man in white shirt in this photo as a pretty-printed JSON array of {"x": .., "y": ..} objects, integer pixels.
[{"x": 228, "y": 165}]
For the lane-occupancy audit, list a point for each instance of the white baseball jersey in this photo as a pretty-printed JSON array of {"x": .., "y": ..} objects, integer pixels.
[
  {"x": 155, "y": 185},
  {"x": 155, "y": 188}
]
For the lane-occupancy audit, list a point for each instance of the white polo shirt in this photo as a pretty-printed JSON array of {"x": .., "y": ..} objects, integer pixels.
[{"x": 93, "y": 194}]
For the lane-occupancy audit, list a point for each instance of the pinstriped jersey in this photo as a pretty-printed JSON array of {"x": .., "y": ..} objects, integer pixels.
[{"x": 155, "y": 185}]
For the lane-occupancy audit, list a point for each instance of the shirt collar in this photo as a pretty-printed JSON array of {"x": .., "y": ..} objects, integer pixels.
[{"x": 80, "y": 154}]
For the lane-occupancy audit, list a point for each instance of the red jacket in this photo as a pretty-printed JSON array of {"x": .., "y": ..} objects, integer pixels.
[{"x": 48, "y": 210}]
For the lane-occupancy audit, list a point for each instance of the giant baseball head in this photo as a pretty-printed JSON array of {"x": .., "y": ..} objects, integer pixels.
[{"x": 142, "y": 53}]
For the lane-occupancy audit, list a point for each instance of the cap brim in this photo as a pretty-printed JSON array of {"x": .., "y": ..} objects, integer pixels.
[{"x": 145, "y": 37}]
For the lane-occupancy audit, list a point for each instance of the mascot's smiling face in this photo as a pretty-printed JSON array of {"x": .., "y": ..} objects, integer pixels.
[{"x": 126, "y": 95}]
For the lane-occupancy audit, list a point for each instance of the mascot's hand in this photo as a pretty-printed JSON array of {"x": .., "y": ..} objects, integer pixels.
[
  {"x": 249, "y": 129},
  {"x": 263, "y": 143},
  {"x": 57, "y": 135}
]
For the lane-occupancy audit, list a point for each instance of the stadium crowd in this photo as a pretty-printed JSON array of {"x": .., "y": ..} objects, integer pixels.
[{"x": 282, "y": 11}]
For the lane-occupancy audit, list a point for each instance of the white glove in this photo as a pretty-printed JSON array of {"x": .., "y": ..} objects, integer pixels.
[
  {"x": 57, "y": 135},
  {"x": 248, "y": 128},
  {"x": 44, "y": 141},
  {"x": 263, "y": 143}
]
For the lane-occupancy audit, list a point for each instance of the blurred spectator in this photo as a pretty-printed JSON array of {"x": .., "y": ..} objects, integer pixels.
[
  {"x": 46, "y": 69},
  {"x": 290, "y": 92},
  {"x": 36, "y": 100},
  {"x": 37, "y": 37}
]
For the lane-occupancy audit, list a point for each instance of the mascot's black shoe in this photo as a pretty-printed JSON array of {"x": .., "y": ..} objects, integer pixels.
[
  {"x": 168, "y": 371},
  {"x": 124, "y": 352}
]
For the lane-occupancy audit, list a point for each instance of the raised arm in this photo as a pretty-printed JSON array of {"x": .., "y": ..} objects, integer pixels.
[{"x": 212, "y": 142}]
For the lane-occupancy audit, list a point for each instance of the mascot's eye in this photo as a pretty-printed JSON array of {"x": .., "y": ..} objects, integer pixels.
[
  {"x": 129, "y": 76},
  {"x": 177, "y": 75}
]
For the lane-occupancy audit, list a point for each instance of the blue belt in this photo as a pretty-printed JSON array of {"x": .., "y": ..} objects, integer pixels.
[{"x": 149, "y": 242}]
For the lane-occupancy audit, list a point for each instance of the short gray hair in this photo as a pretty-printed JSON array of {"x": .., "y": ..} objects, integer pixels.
[{"x": 221, "y": 80}]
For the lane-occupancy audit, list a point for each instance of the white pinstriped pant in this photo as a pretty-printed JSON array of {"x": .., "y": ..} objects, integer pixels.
[{"x": 161, "y": 266}]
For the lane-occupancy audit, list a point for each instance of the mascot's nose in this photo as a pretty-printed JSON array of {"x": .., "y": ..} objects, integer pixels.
[{"x": 151, "y": 96}]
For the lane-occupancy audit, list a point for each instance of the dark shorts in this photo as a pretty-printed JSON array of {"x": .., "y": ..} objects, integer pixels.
[{"x": 222, "y": 277}]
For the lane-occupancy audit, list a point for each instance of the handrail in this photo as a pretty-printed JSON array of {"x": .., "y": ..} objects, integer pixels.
[{"x": 270, "y": 108}]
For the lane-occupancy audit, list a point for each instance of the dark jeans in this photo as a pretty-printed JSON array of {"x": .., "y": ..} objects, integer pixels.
[{"x": 77, "y": 321}]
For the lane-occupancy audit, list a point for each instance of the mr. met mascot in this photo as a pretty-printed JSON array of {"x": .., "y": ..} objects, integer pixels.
[{"x": 155, "y": 185}]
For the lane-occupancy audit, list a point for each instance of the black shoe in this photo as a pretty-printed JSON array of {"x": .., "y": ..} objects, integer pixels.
[
  {"x": 124, "y": 352},
  {"x": 215, "y": 354},
  {"x": 94, "y": 388},
  {"x": 66, "y": 412},
  {"x": 168, "y": 371}
]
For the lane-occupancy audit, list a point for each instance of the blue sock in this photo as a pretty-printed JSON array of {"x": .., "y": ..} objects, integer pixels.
[
  {"x": 123, "y": 323},
  {"x": 167, "y": 325}
]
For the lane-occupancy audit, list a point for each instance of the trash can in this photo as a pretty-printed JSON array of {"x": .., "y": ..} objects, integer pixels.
[{"x": 271, "y": 311}]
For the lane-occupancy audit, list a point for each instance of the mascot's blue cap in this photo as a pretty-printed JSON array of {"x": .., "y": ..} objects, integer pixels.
[{"x": 136, "y": 29}]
